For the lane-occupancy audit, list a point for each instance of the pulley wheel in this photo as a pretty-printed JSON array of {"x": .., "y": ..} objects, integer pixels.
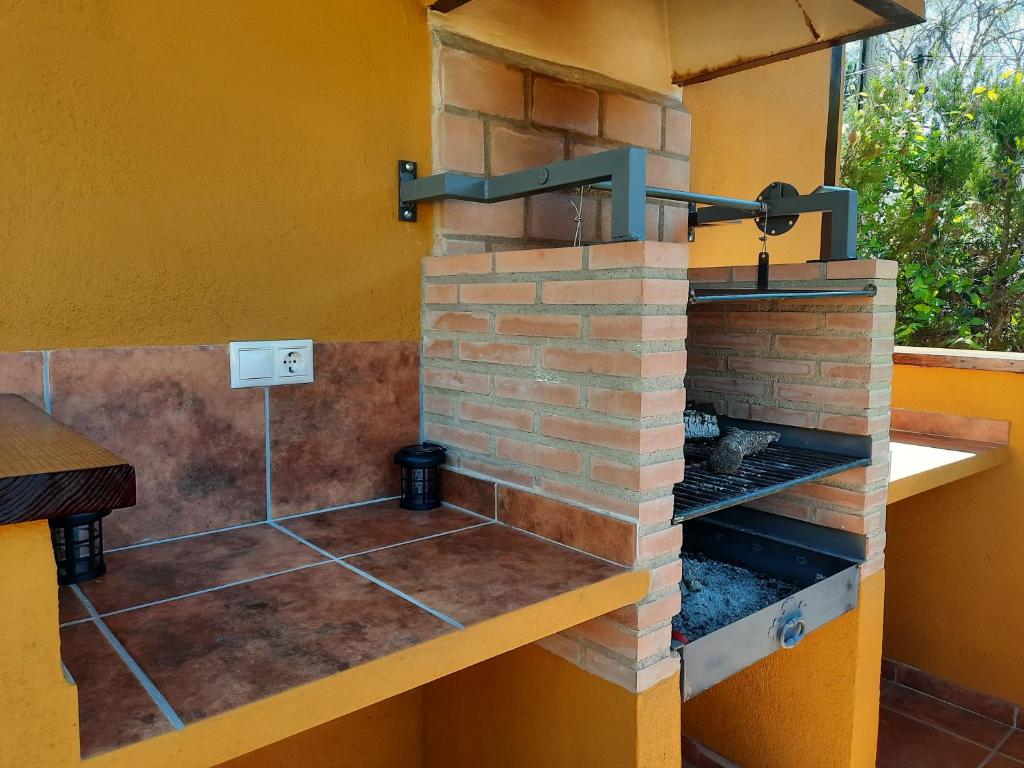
[{"x": 777, "y": 225}]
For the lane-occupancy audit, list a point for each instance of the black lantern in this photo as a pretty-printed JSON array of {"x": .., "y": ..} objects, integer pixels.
[
  {"x": 78, "y": 546},
  {"x": 421, "y": 475}
]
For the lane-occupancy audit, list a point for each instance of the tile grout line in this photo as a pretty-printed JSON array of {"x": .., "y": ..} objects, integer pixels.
[
  {"x": 371, "y": 578},
  {"x": 951, "y": 704},
  {"x": 266, "y": 448},
  {"x": 940, "y": 728},
  {"x": 416, "y": 541},
  {"x": 567, "y": 546},
  {"x": 995, "y": 750},
  {"x": 336, "y": 508},
  {"x": 133, "y": 666},
  {"x": 47, "y": 391},
  {"x": 218, "y": 588}
]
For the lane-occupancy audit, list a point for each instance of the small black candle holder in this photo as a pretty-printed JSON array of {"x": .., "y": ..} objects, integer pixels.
[
  {"x": 421, "y": 475},
  {"x": 78, "y": 546}
]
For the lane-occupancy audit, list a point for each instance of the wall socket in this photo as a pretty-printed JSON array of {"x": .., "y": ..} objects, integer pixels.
[{"x": 271, "y": 363}]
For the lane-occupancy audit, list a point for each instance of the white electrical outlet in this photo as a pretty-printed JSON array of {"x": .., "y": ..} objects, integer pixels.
[{"x": 271, "y": 363}]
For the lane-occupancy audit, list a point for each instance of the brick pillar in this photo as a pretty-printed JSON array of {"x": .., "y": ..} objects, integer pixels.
[
  {"x": 821, "y": 363},
  {"x": 558, "y": 373}
]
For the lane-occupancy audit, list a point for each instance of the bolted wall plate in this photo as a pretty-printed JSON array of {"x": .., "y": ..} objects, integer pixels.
[{"x": 406, "y": 172}]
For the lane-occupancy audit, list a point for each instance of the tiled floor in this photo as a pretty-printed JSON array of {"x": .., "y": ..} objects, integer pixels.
[
  {"x": 919, "y": 731},
  {"x": 185, "y": 629}
]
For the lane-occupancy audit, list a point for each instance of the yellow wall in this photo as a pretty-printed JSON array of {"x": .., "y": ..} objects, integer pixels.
[
  {"x": 385, "y": 735},
  {"x": 38, "y": 705},
  {"x": 195, "y": 172},
  {"x": 955, "y": 555},
  {"x": 532, "y": 708},
  {"x": 815, "y": 706},
  {"x": 625, "y": 41},
  {"x": 752, "y": 128}
]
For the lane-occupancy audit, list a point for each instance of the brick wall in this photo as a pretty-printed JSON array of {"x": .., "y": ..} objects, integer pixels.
[
  {"x": 496, "y": 112},
  {"x": 816, "y": 363},
  {"x": 559, "y": 373}
]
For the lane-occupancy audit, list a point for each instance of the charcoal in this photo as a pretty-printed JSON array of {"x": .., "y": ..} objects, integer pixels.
[
  {"x": 728, "y": 454},
  {"x": 701, "y": 421}
]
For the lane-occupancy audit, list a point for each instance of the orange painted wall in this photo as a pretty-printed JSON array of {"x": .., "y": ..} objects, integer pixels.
[
  {"x": 815, "y": 706},
  {"x": 195, "y": 172},
  {"x": 532, "y": 708},
  {"x": 752, "y": 128},
  {"x": 955, "y": 555}
]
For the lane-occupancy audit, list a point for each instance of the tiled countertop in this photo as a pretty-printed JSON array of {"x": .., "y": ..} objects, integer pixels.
[
  {"x": 272, "y": 628},
  {"x": 919, "y": 462}
]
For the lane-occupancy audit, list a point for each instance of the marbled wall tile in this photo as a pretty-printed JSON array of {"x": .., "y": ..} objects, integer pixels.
[
  {"x": 197, "y": 445},
  {"x": 333, "y": 441},
  {"x": 21, "y": 373}
]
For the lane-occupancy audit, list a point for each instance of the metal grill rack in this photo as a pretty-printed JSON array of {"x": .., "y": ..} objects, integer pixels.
[{"x": 801, "y": 456}]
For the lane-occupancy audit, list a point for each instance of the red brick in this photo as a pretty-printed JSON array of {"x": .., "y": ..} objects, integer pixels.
[
  {"x": 769, "y": 366},
  {"x": 618, "y": 639},
  {"x": 667, "y": 575},
  {"x": 461, "y": 264},
  {"x": 498, "y": 293},
  {"x": 865, "y": 322},
  {"x": 797, "y": 272},
  {"x": 854, "y": 425},
  {"x": 481, "y": 84},
  {"x": 617, "y": 402},
  {"x": 513, "y": 149},
  {"x": 652, "y": 219},
  {"x": 728, "y": 385},
  {"x": 441, "y": 294},
  {"x": 460, "y": 438},
  {"x": 656, "y": 364},
  {"x": 677, "y": 224},
  {"x": 657, "y": 291},
  {"x": 552, "y": 217},
  {"x": 592, "y": 292},
  {"x": 496, "y": 352},
  {"x": 646, "y": 440},
  {"x": 645, "y": 478},
  {"x": 607, "y": 362},
  {"x": 564, "y": 105},
  {"x": 569, "y": 524},
  {"x": 463, "y": 381},
  {"x": 709, "y": 274},
  {"x": 841, "y": 497},
  {"x": 865, "y": 269},
  {"x": 460, "y": 247},
  {"x": 823, "y": 345},
  {"x": 773, "y": 415},
  {"x": 441, "y": 404},
  {"x": 551, "y": 326},
  {"x": 505, "y": 219},
  {"x": 638, "y": 328},
  {"x": 632, "y": 121},
  {"x": 807, "y": 393},
  {"x": 466, "y": 322},
  {"x": 677, "y": 131},
  {"x": 695, "y": 362},
  {"x": 497, "y": 415},
  {"x": 460, "y": 143},
  {"x": 862, "y": 372},
  {"x": 443, "y": 348},
  {"x": 562, "y": 646},
  {"x": 540, "y": 260},
  {"x": 549, "y": 392},
  {"x": 642, "y": 253},
  {"x": 649, "y": 614},
  {"x": 539, "y": 455},
  {"x": 788, "y": 321},
  {"x": 665, "y": 542},
  {"x": 730, "y": 341},
  {"x": 668, "y": 172}
]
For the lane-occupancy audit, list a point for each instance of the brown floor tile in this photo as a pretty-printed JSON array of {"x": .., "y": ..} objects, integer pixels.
[
  {"x": 358, "y": 529},
  {"x": 113, "y": 708},
  {"x": 888, "y": 670},
  {"x": 21, "y": 373},
  {"x": 697, "y": 756},
  {"x": 980, "y": 703},
  {"x": 468, "y": 492},
  {"x": 1002, "y": 761},
  {"x": 197, "y": 445},
  {"x": 156, "y": 572},
  {"x": 906, "y": 743},
  {"x": 223, "y": 649},
  {"x": 1014, "y": 746},
  {"x": 478, "y": 574},
  {"x": 333, "y": 441},
  {"x": 946, "y": 716},
  {"x": 69, "y": 607}
]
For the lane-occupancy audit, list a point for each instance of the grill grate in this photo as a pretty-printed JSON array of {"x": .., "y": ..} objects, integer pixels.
[{"x": 774, "y": 469}]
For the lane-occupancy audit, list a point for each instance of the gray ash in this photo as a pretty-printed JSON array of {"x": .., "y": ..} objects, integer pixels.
[{"x": 716, "y": 594}]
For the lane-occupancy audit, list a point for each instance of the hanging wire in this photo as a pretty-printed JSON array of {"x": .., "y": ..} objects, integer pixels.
[{"x": 577, "y": 239}]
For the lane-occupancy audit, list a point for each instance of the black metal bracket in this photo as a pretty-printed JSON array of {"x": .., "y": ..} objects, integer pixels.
[{"x": 406, "y": 172}]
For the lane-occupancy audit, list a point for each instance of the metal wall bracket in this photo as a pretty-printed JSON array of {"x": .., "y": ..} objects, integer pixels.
[{"x": 406, "y": 172}]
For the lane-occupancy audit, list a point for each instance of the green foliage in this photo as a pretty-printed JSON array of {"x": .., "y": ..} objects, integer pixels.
[{"x": 940, "y": 170}]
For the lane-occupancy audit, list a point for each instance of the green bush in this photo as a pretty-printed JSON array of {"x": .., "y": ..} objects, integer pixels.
[{"x": 939, "y": 172}]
